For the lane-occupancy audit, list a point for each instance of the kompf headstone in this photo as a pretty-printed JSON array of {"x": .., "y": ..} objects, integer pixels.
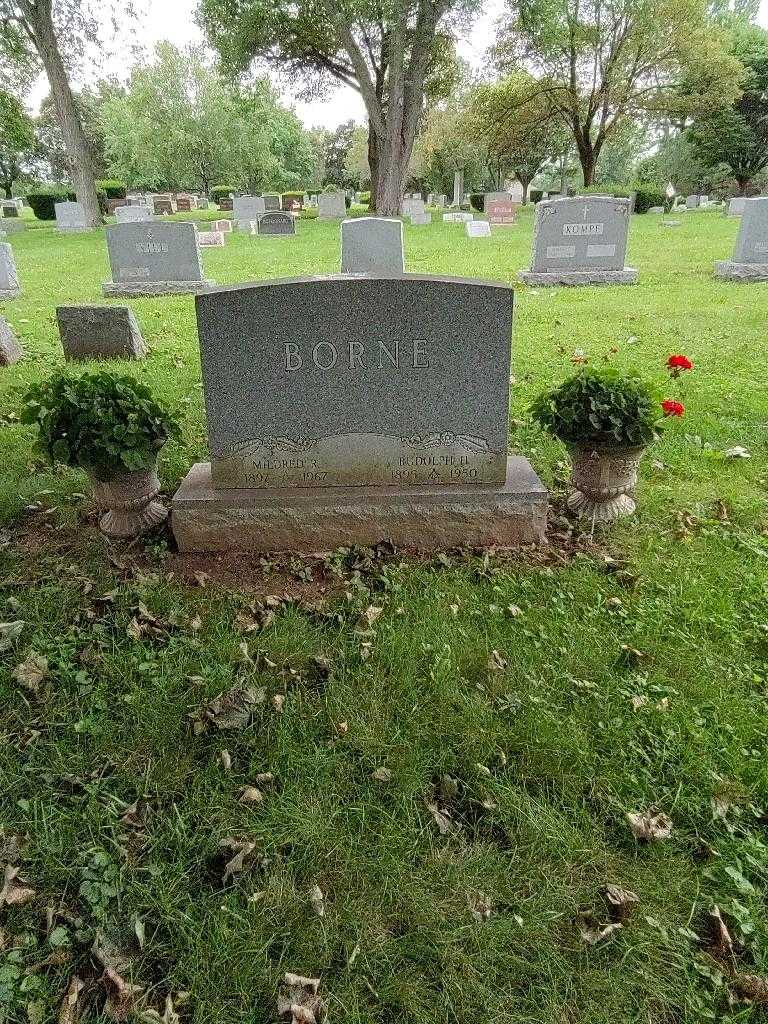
[
  {"x": 70, "y": 217},
  {"x": 99, "y": 332},
  {"x": 10, "y": 349},
  {"x": 350, "y": 409},
  {"x": 580, "y": 240},
  {"x": 750, "y": 254},
  {"x": 9, "y": 278},
  {"x": 161, "y": 258},
  {"x": 275, "y": 222},
  {"x": 372, "y": 245}
]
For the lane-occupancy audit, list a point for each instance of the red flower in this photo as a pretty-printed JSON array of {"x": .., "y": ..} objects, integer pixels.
[
  {"x": 678, "y": 363},
  {"x": 672, "y": 408}
]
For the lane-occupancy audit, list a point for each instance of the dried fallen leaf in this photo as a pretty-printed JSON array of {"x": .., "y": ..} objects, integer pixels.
[
  {"x": 121, "y": 995},
  {"x": 226, "y": 760},
  {"x": 317, "y": 900},
  {"x": 639, "y": 701},
  {"x": 9, "y": 633},
  {"x": 231, "y": 710},
  {"x": 243, "y": 857},
  {"x": 32, "y": 671},
  {"x": 196, "y": 623},
  {"x": 251, "y": 795},
  {"x": 69, "y": 1012},
  {"x": 593, "y": 932},
  {"x": 278, "y": 701},
  {"x": 15, "y": 891},
  {"x": 481, "y": 909},
  {"x": 650, "y": 826},
  {"x": 382, "y": 775},
  {"x": 622, "y": 901},
  {"x": 721, "y": 943},
  {"x": 369, "y": 616},
  {"x": 441, "y": 818},
  {"x": 496, "y": 663},
  {"x": 299, "y": 1002},
  {"x": 752, "y": 988},
  {"x": 342, "y": 728},
  {"x": 169, "y": 1015}
]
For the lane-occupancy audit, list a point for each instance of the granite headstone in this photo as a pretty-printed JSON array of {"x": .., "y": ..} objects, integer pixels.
[
  {"x": 70, "y": 217},
  {"x": 132, "y": 214},
  {"x": 161, "y": 258},
  {"x": 372, "y": 245},
  {"x": 9, "y": 279},
  {"x": 750, "y": 254},
  {"x": 271, "y": 202},
  {"x": 211, "y": 239},
  {"x": 478, "y": 229},
  {"x": 222, "y": 225},
  {"x": 275, "y": 222},
  {"x": 10, "y": 349},
  {"x": 247, "y": 209},
  {"x": 99, "y": 332},
  {"x": 502, "y": 212},
  {"x": 331, "y": 206},
  {"x": 736, "y": 206},
  {"x": 580, "y": 240},
  {"x": 10, "y": 210}
]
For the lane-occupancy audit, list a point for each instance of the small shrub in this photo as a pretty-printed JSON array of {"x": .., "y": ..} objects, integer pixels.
[
  {"x": 364, "y": 198},
  {"x": 599, "y": 408},
  {"x": 535, "y": 195},
  {"x": 112, "y": 189},
  {"x": 477, "y": 201},
  {"x": 43, "y": 200},
  {"x": 308, "y": 213},
  {"x": 101, "y": 422},
  {"x": 219, "y": 192},
  {"x": 648, "y": 196}
]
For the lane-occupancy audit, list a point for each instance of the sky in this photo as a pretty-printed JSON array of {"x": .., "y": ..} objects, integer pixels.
[{"x": 174, "y": 20}]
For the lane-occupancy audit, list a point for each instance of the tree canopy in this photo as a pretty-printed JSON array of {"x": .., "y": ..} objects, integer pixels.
[{"x": 17, "y": 140}]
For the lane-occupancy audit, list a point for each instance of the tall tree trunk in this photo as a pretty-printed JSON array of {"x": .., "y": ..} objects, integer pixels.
[
  {"x": 563, "y": 180},
  {"x": 373, "y": 164},
  {"x": 75, "y": 142},
  {"x": 8, "y": 189}
]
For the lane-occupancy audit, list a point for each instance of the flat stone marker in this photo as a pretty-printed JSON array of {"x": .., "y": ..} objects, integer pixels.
[
  {"x": 478, "y": 229},
  {"x": 458, "y": 217},
  {"x": 750, "y": 255},
  {"x": 580, "y": 240},
  {"x": 12, "y": 227},
  {"x": 70, "y": 217},
  {"x": 655, "y": 209},
  {"x": 271, "y": 202},
  {"x": 501, "y": 212},
  {"x": 371, "y": 245},
  {"x": 348, "y": 410},
  {"x": 736, "y": 206},
  {"x": 211, "y": 239},
  {"x": 10, "y": 349},
  {"x": 133, "y": 214},
  {"x": 161, "y": 258},
  {"x": 222, "y": 225},
  {"x": 9, "y": 279},
  {"x": 331, "y": 206},
  {"x": 245, "y": 210},
  {"x": 275, "y": 222},
  {"x": 99, "y": 332}
]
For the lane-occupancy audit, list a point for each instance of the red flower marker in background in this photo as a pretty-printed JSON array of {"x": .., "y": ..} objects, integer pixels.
[
  {"x": 675, "y": 364},
  {"x": 672, "y": 408}
]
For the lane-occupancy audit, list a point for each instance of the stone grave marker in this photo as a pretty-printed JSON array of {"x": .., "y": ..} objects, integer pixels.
[
  {"x": 10, "y": 349},
  {"x": 457, "y": 217},
  {"x": 502, "y": 212},
  {"x": 211, "y": 239},
  {"x": 12, "y": 227},
  {"x": 70, "y": 217},
  {"x": 421, "y": 218},
  {"x": 274, "y": 222},
  {"x": 692, "y": 202},
  {"x": 271, "y": 202},
  {"x": 703, "y": 200},
  {"x": 162, "y": 258},
  {"x": 750, "y": 255},
  {"x": 331, "y": 206},
  {"x": 247, "y": 209},
  {"x": 353, "y": 409},
  {"x": 131, "y": 214},
  {"x": 655, "y": 209},
  {"x": 222, "y": 225},
  {"x": 10, "y": 209},
  {"x": 115, "y": 204},
  {"x": 478, "y": 229},
  {"x": 164, "y": 205},
  {"x": 372, "y": 245},
  {"x": 9, "y": 279},
  {"x": 186, "y": 203},
  {"x": 226, "y": 204},
  {"x": 405, "y": 207},
  {"x": 417, "y": 206},
  {"x": 580, "y": 240},
  {"x": 99, "y": 332},
  {"x": 202, "y": 203},
  {"x": 735, "y": 207}
]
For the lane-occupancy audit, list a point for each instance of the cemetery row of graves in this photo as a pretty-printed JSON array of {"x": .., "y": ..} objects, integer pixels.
[{"x": 430, "y": 776}]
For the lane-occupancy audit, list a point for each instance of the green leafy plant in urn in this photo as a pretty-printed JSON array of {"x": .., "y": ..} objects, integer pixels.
[
  {"x": 607, "y": 421},
  {"x": 110, "y": 426}
]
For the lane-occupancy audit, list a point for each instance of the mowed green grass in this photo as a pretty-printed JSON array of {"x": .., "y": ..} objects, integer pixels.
[{"x": 537, "y": 761}]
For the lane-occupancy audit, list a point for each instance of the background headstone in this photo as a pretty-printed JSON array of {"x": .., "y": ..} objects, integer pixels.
[
  {"x": 692, "y": 202},
  {"x": 226, "y": 203},
  {"x": 501, "y": 211},
  {"x": 12, "y": 227},
  {"x": 99, "y": 332},
  {"x": 246, "y": 209},
  {"x": 581, "y": 240},
  {"x": 10, "y": 349},
  {"x": 372, "y": 245},
  {"x": 750, "y": 254},
  {"x": 9, "y": 279},
  {"x": 736, "y": 206},
  {"x": 163, "y": 205},
  {"x": 130, "y": 214},
  {"x": 271, "y": 202},
  {"x": 331, "y": 206},
  {"x": 221, "y": 225},
  {"x": 70, "y": 217},
  {"x": 211, "y": 239},
  {"x": 275, "y": 222},
  {"x": 457, "y": 217},
  {"x": 478, "y": 229},
  {"x": 10, "y": 210},
  {"x": 161, "y": 258},
  {"x": 420, "y": 219}
]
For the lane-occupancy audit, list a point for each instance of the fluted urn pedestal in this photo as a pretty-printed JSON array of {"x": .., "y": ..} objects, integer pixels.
[
  {"x": 604, "y": 481},
  {"x": 128, "y": 503}
]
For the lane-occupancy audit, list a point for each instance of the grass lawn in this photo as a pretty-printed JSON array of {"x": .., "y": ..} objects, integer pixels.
[{"x": 631, "y": 673}]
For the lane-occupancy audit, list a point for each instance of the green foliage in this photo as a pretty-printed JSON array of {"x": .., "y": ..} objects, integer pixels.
[
  {"x": 536, "y": 194},
  {"x": 600, "y": 408},
  {"x": 43, "y": 200},
  {"x": 477, "y": 201},
  {"x": 647, "y": 196},
  {"x": 101, "y": 422},
  {"x": 219, "y": 192},
  {"x": 112, "y": 189},
  {"x": 17, "y": 139},
  {"x": 620, "y": 191}
]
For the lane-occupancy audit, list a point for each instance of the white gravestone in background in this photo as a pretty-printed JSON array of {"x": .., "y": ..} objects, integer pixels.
[
  {"x": 372, "y": 245},
  {"x": 70, "y": 217}
]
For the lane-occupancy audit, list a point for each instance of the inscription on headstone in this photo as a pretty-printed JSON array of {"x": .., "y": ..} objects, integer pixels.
[
  {"x": 478, "y": 229},
  {"x": 99, "y": 332},
  {"x": 10, "y": 210},
  {"x": 501, "y": 211},
  {"x": 132, "y": 214},
  {"x": 154, "y": 259},
  {"x": 211, "y": 239},
  {"x": 581, "y": 240},
  {"x": 372, "y": 245},
  {"x": 9, "y": 279},
  {"x": 271, "y": 202}
]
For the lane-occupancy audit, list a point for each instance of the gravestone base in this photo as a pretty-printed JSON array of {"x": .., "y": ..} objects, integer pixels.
[
  {"x": 727, "y": 270},
  {"x": 549, "y": 278},
  {"x": 10, "y": 293},
  {"x": 322, "y": 519},
  {"x": 127, "y": 290}
]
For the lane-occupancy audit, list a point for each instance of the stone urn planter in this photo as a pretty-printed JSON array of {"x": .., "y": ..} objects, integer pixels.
[
  {"x": 604, "y": 480},
  {"x": 128, "y": 503}
]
